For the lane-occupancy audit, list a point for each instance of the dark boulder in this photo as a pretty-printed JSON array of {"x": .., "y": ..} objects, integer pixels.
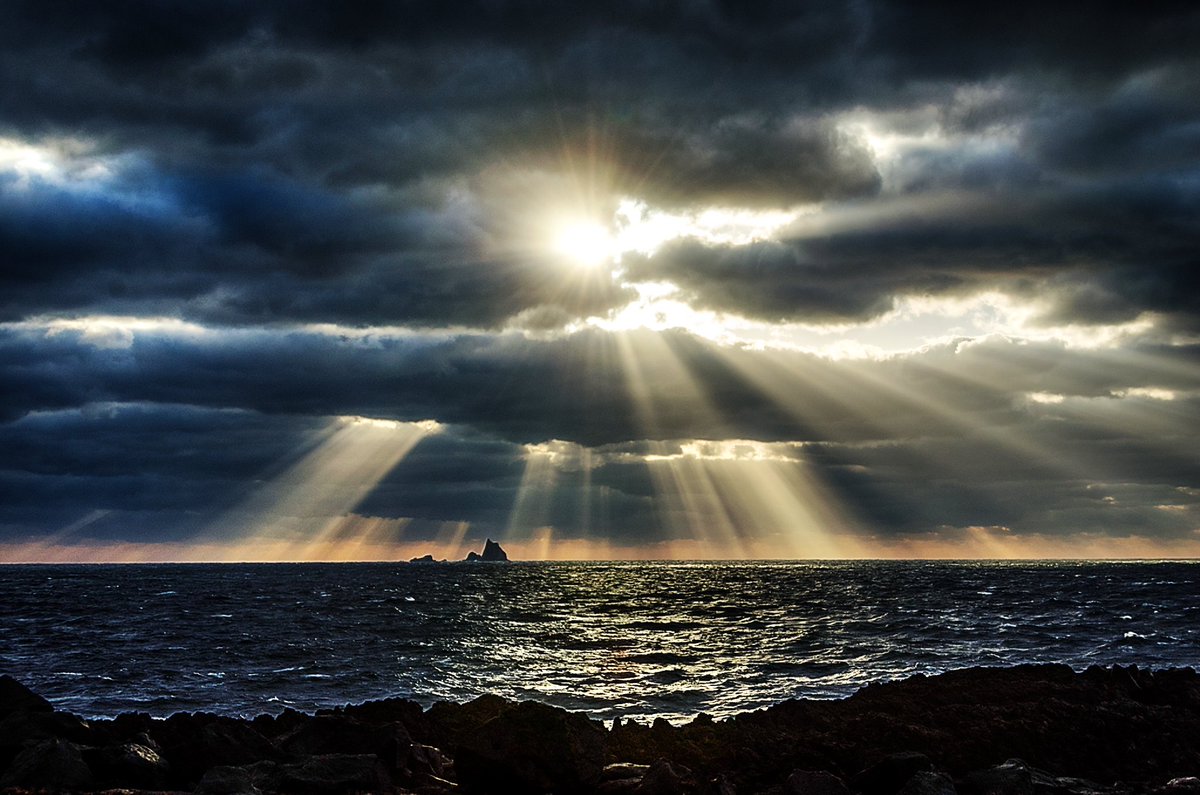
[
  {"x": 193, "y": 743},
  {"x": 272, "y": 726},
  {"x": 15, "y": 697},
  {"x": 890, "y": 774},
  {"x": 446, "y": 724},
  {"x": 17, "y": 729},
  {"x": 340, "y": 734},
  {"x": 532, "y": 747},
  {"x": 1013, "y": 777},
  {"x": 423, "y": 559},
  {"x": 663, "y": 778},
  {"x": 127, "y": 727},
  {"x": 49, "y": 764},
  {"x": 128, "y": 765},
  {"x": 422, "y": 765},
  {"x": 621, "y": 778},
  {"x": 390, "y": 710}
]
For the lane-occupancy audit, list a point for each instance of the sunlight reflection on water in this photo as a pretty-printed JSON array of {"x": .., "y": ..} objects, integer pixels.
[{"x": 612, "y": 639}]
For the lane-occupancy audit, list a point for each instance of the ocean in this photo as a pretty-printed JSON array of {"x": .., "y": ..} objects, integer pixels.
[{"x": 627, "y": 639}]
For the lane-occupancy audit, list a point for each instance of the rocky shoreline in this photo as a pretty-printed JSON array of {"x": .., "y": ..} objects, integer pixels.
[{"x": 1026, "y": 730}]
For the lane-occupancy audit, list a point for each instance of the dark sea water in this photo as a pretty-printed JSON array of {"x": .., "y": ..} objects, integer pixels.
[{"x": 628, "y": 639}]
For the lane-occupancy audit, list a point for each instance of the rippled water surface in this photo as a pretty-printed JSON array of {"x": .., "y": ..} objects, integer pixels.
[{"x": 645, "y": 639}]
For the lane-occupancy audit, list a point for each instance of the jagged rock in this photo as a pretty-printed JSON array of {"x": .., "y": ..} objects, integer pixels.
[
  {"x": 890, "y": 774},
  {"x": 448, "y": 724},
  {"x": 532, "y": 747},
  {"x": 433, "y": 786},
  {"x": 128, "y": 765},
  {"x": 1046, "y": 784},
  {"x": 927, "y": 782},
  {"x": 193, "y": 743},
  {"x": 662, "y": 778},
  {"x": 814, "y": 782},
  {"x": 1186, "y": 785},
  {"x": 18, "y": 727},
  {"x": 389, "y": 710},
  {"x": 423, "y": 559},
  {"x": 420, "y": 764},
  {"x": 340, "y": 734},
  {"x": 274, "y": 726},
  {"x": 1011, "y": 778},
  {"x": 15, "y": 697},
  {"x": 492, "y": 552},
  {"x": 621, "y": 778},
  {"x": 128, "y": 725},
  {"x": 49, "y": 764},
  {"x": 623, "y": 770},
  {"x": 1125, "y": 725}
]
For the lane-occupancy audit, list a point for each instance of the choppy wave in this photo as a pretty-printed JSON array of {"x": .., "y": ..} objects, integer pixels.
[{"x": 627, "y": 639}]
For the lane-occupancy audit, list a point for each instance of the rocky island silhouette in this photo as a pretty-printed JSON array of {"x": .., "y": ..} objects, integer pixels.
[{"x": 492, "y": 553}]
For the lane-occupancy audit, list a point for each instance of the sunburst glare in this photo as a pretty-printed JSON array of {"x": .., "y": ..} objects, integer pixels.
[{"x": 585, "y": 243}]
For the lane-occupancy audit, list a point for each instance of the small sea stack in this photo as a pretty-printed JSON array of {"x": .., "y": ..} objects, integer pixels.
[{"x": 492, "y": 553}]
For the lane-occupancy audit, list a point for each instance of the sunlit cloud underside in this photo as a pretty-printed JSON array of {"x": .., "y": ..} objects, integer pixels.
[{"x": 711, "y": 498}]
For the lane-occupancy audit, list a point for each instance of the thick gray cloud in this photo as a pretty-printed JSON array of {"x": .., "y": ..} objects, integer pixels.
[
  {"x": 955, "y": 435},
  {"x": 574, "y": 388},
  {"x": 302, "y": 161}
]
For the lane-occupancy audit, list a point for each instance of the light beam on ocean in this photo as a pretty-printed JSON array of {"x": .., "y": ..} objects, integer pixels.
[{"x": 306, "y": 512}]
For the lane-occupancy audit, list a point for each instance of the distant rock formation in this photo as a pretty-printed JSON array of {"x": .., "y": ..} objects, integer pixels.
[{"x": 491, "y": 552}]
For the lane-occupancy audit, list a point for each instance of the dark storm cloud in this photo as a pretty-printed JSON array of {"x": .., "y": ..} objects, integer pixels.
[
  {"x": 261, "y": 125},
  {"x": 230, "y": 247},
  {"x": 574, "y": 388},
  {"x": 292, "y": 141}
]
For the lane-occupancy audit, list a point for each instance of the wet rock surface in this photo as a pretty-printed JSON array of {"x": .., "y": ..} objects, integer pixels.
[{"x": 1028, "y": 730}]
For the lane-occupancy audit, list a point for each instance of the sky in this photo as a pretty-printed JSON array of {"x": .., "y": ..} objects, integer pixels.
[{"x": 343, "y": 281}]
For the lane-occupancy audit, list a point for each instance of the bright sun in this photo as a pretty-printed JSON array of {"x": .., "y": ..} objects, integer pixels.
[{"x": 585, "y": 243}]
